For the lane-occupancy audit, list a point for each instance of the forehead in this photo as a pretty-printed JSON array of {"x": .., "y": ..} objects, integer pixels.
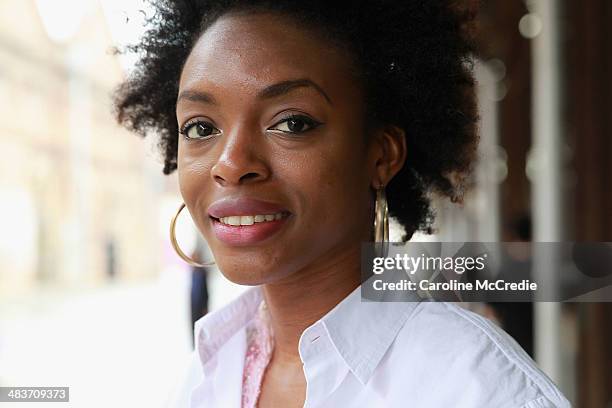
[{"x": 252, "y": 50}]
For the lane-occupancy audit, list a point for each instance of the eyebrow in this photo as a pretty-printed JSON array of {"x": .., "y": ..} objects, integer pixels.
[
  {"x": 284, "y": 87},
  {"x": 197, "y": 96},
  {"x": 272, "y": 91}
]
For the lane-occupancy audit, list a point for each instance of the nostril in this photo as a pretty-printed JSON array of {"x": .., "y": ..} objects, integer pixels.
[
  {"x": 244, "y": 178},
  {"x": 249, "y": 176}
]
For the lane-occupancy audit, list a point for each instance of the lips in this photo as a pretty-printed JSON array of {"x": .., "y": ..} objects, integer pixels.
[
  {"x": 244, "y": 235},
  {"x": 242, "y": 206}
]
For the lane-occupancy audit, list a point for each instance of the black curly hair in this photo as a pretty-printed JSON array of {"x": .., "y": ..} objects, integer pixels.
[{"x": 416, "y": 66}]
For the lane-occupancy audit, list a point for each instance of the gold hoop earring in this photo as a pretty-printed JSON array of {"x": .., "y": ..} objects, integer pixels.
[
  {"x": 381, "y": 220},
  {"x": 175, "y": 244}
]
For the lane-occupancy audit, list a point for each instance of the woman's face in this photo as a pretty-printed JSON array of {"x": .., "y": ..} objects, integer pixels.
[{"x": 276, "y": 130}]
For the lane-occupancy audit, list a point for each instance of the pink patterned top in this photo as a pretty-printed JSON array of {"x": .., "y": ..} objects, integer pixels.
[{"x": 260, "y": 343}]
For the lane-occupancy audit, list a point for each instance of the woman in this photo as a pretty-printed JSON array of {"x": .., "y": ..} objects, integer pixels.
[{"x": 288, "y": 123}]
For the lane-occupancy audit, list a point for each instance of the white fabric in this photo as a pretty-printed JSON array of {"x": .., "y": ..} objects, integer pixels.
[{"x": 377, "y": 354}]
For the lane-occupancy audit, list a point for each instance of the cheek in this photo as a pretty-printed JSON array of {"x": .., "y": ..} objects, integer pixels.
[
  {"x": 335, "y": 190},
  {"x": 193, "y": 174},
  {"x": 344, "y": 188}
]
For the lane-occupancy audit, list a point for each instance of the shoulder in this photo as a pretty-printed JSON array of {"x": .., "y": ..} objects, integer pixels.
[{"x": 472, "y": 358}]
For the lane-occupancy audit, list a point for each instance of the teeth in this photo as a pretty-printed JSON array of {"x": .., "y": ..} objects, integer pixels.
[
  {"x": 233, "y": 220},
  {"x": 247, "y": 220},
  {"x": 250, "y": 219}
]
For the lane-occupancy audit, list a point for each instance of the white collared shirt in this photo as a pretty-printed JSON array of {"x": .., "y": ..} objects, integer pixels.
[{"x": 377, "y": 354}]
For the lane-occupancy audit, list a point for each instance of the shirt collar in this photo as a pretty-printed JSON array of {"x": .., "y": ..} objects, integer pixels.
[
  {"x": 213, "y": 330},
  {"x": 361, "y": 331}
]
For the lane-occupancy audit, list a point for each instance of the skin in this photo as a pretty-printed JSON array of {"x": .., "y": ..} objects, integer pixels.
[{"x": 325, "y": 176}]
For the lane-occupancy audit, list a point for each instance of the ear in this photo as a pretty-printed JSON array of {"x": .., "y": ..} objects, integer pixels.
[{"x": 389, "y": 154}]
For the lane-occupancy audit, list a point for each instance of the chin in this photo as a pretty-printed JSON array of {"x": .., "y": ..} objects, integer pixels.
[{"x": 246, "y": 273}]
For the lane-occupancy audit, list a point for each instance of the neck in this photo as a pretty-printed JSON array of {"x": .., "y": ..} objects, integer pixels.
[{"x": 299, "y": 300}]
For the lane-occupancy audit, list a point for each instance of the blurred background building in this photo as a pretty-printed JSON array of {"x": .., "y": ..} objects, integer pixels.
[
  {"x": 546, "y": 104},
  {"x": 78, "y": 195},
  {"x": 91, "y": 294}
]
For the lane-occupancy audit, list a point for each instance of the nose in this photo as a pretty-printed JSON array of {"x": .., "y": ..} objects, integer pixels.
[{"x": 241, "y": 159}]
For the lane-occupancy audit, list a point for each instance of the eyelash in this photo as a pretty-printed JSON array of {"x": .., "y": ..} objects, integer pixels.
[
  {"x": 310, "y": 122},
  {"x": 193, "y": 122}
]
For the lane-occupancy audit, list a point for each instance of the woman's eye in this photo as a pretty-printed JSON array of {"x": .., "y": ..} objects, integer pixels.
[
  {"x": 295, "y": 124},
  {"x": 199, "y": 130}
]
